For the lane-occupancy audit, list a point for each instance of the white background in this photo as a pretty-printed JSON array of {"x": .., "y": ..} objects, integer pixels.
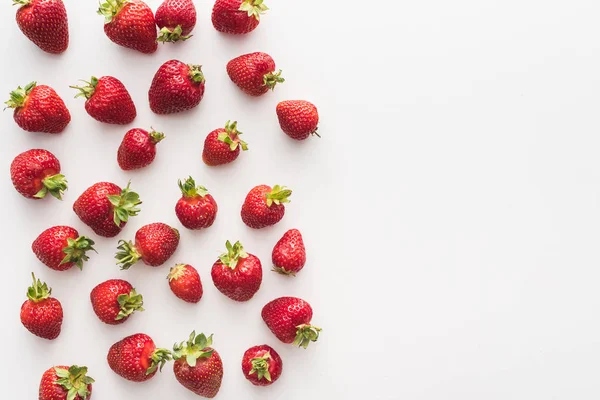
[{"x": 450, "y": 210}]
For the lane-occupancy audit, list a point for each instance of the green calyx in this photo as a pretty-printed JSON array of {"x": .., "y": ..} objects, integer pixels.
[
  {"x": 21, "y": 2},
  {"x": 129, "y": 304},
  {"x": 110, "y": 8},
  {"x": 156, "y": 137},
  {"x": 127, "y": 255},
  {"x": 159, "y": 359},
  {"x": 278, "y": 195},
  {"x": 19, "y": 95},
  {"x": 196, "y": 73},
  {"x": 254, "y": 8},
  {"x": 189, "y": 188},
  {"x": 283, "y": 271},
  {"x": 271, "y": 79},
  {"x": 196, "y": 347},
  {"x": 172, "y": 35},
  {"x": 306, "y": 334},
  {"x": 74, "y": 381},
  {"x": 125, "y": 205},
  {"x": 88, "y": 90},
  {"x": 260, "y": 366},
  {"x": 231, "y": 136},
  {"x": 176, "y": 272},
  {"x": 38, "y": 291},
  {"x": 233, "y": 255},
  {"x": 76, "y": 251},
  {"x": 55, "y": 185}
]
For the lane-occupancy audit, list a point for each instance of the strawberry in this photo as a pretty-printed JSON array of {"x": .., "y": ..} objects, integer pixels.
[
  {"x": 154, "y": 245},
  {"x": 254, "y": 73},
  {"x": 176, "y": 87},
  {"x": 115, "y": 300},
  {"x": 264, "y": 206},
  {"x": 41, "y": 314},
  {"x": 61, "y": 247},
  {"x": 223, "y": 145},
  {"x": 185, "y": 283},
  {"x": 289, "y": 254},
  {"x": 35, "y": 173},
  {"x": 138, "y": 148},
  {"x": 196, "y": 209},
  {"x": 289, "y": 319},
  {"x": 298, "y": 118},
  {"x": 129, "y": 23},
  {"x": 237, "y": 274},
  {"x": 176, "y": 19},
  {"x": 66, "y": 383},
  {"x": 107, "y": 100},
  {"x": 237, "y": 16},
  {"x": 198, "y": 367},
  {"x": 45, "y": 23},
  {"x": 136, "y": 358},
  {"x": 39, "y": 109},
  {"x": 106, "y": 208},
  {"x": 261, "y": 365}
]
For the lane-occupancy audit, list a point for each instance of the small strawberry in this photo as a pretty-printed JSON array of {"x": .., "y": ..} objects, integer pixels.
[
  {"x": 39, "y": 109},
  {"x": 198, "y": 367},
  {"x": 106, "y": 208},
  {"x": 66, "y": 383},
  {"x": 289, "y": 254},
  {"x": 45, "y": 23},
  {"x": 176, "y": 19},
  {"x": 223, "y": 145},
  {"x": 35, "y": 173},
  {"x": 129, "y": 23},
  {"x": 107, "y": 101},
  {"x": 298, "y": 118},
  {"x": 196, "y": 209},
  {"x": 289, "y": 319},
  {"x": 265, "y": 206},
  {"x": 185, "y": 283},
  {"x": 61, "y": 247},
  {"x": 176, "y": 87},
  {"x": 41, "y": 314},
  {"x": 115, "y": 300},
  {"x": 261, "y": 365},
  {"x": 154, "y": 245},
  {"x": 254, "y": 73},
  {"x": 237, "y": 274},
  {"x": 237, "y": 16},
  {"x": 138, "y": 148},
  {"x": 136, "y": 358}
]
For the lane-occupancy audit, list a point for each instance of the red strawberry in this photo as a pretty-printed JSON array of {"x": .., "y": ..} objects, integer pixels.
[
  {"x": 61, "y": 247},
  {"x": 223, "y": 145},
  {"x": 129, "y": 23},
  {"x": 254, "y": 73},
  {"x": 237, "y": 16},
  {"x": 136, "y": 358},
  {"x": 39, "y": 109},
  {"x": 264, "y": 206},
  {"x": 66, "y": 383},
  {"x": 289, "y": 319},
  {"x": 237, "y": 274},
  {"x": 106, "y": 208},
  {"x": 35, "y": 173},
  {"x": 261, "y": 365},
  {"x": 41, "y": 314},
  {"x": 176, "y": 19},
  {"x": 154, "y": 245},
  {"x": 289, "y": 254},
  {"x": 298, "y": 118},
  {"x": 198, "y": 367},
  {"x": 138, "y": 148},
  {"x": 176, "y": 87},
  {"x": 196, "y": 209},
  {"x": 185, "y": 283},
  {"x": 115, "y": 300},
  {"x": 45, "y": 23},
  {"x": 107, "y": 100}
]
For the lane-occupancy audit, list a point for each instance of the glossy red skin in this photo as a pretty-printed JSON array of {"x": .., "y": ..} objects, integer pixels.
[
  {"x": 172, "y": 13},
  {"x": 289, "y": 253},
  {"x": 43, "y": 111},
  {"x": 217, "y": 152},
  {"x": 197, "y": 212},
  {"x": 227, "y": 18},
  {"x": 105, "y": 300},
  {"x": 48, "y": 246},
  {"x": 130, "y": 358},
  {"x": 133, "y": 27},
  {"x": 49, "y": 390},
  {"x": 30, "y": 168},
  {"x": 248, "y": 71},
  {"x": 298, "y": 118},
  {"x": 44, "y": 318},
  {"x": 255, "y": 212},
  {"x": 173, "y": 90},
  {"x": 111, "y": 103},
  {"x": 240, "y": 283},
  {"x": 156, "y": 243},
  {"x": 45, "y": 23},
  {"x": 137, "y": 150},
  {"x": 95, "y": 210},
  {"x": 284, "y": 314},
  {"x": 275, "y": 364},
  {"x": 205, "y": 378},
  {"x": 189, "y": 286}
]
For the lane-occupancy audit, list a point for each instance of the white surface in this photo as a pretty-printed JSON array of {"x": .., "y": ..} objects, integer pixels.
[{"x": 450, "y": 210}]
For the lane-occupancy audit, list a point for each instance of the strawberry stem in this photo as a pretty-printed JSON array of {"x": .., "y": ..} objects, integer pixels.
[
  {"x": 156, "y": 137},
  {"x": 283, "y": 271},
  {"x": 176, "y": 272},
  {"x": 75, "y": 382},
  {"x": 88, "y": 90},
  {"x": 76, "y": 251},
  {"x": 125, "y": 205},
  {"x": 196, "y": 73},
  {"x": 196, "y": 347},
  {"x": 172, "y": 35},
  {"x": 110, "y": 8},
  {"x": 159, "y": 359},
  {"x": 21, "y": 2},
  {"x": 189, "y": 188},
  {"x": 233, "y": 255},
  {"x": 260, "y": 366},
  {"x": 38, "y": 291},
  {"x": 129, "y": 304},
  {"x": 127, "y": 255},
  {"x": 55, "y": 185},
  {"x": 231, "y": 137},
  {"x": 19, "y": 96},
  {"x": 306, "y": 334},
  {"x": 278, "y": 195},
  {"x": 254, "y": 8},
  {"x": 271, "y": 79}
]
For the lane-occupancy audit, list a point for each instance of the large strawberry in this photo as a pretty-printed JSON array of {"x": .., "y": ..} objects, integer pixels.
[
  {"x": 35, "y": 173},
  {"x": 129, "y": 23},
  {"x": 176, "y": 19},
  {"x": 198, "y": 367},
  {"x": 298, "y": 118},
  {"x": 41, "y": 314},
  {"x": 261, "y": 365},
  {"x": 264, "y": 206},
  {"x": 61, "y": 247},
  {"x": 106, "y": 208},
  {"x": 254, "y": 73},
  {"x": 138, "y": 148},
  {"x": 289, "y": 319},
  {"x": 115, "y": 300},
  {"x": 237, "y": 16},
  {"x": 107, "y": 100},
  {"x": 237, "y": 274},
  {"x": 136, "y": 358},
  {"x": 66, "y": 383},
  {"x": 196, "y": 209},
  {"x": 289, "y": 254},
  {"x": 154, "y": 245},
  {"x": 185, "y": 283},
  {"x": 176, "y": 87},
  {"x": 39, "y": 109},
  {"x": 45, "y": 23},
  {"x": 223, "y": 145}
]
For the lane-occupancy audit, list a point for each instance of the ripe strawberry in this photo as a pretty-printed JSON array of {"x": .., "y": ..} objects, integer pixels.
[
  {"x": 176, "y": 87},
  {"x": 138, "y": 148},
  {"x": 66, "y": 383},
  {"x": 176, "y": 19},
  {"x": 136, "y": 358},
  {"x": 237, "y": 16},
  {"x": 223, "y": 145},
  {"x": 45, "y": 23},
  {"x": 106, "y": 208},
  {"x": 196, "y": 209},
  {"x": 254, "y": 73},
  {"x": 61, "y": 247},
  {"x": 298, "y": 118},
  {"x": 41, "y": 314},
  {"x": 198, "y": 367},
  {"x": 261, "y": 365},
  {"x": 39, "y": 109},
  {"x": 107, "y": 100},
  {"x": 289, "y": 319},
  {"x": 115, "y": 300},
  {"x": 35, "y": 173},
  {"x": 237, "y": 274},
  {"x": 129, "y": 23},
  {"x": 154, "y": 245},
  {"x": 264, "y": 206},
  {"x": 289, "y": 254},
  {"x": 185, "y": 283}
]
